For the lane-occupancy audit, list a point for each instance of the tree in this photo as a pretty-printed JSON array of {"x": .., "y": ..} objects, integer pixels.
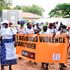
[
  {"x": 61, "y": 10},
  {"x": 17, "y": 7},
  {"x": 32, "y": 9},
  {"x": 5, "y": 4}
]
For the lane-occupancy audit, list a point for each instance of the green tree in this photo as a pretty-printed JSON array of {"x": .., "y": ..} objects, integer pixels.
[
  {"x": 32, "y": 9},
  {"x": 17, "y": 7},
  {"x": 5, "y": 4},
  {"x": 61, "y": 10}
]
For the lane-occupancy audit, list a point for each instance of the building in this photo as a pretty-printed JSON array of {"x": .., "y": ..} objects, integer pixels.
[
  {"x": 30, "y": 16},
  {"x": 12, "y": 15}
]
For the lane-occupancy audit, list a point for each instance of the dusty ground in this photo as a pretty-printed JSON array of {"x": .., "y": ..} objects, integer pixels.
[{"x": 24, "y": 65}]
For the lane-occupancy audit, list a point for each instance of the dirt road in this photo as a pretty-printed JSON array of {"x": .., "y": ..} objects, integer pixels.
[{"x": 24, "y": 65}]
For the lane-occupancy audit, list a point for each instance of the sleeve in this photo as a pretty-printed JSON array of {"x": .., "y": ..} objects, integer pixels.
[{"x": 13, "y": 31}]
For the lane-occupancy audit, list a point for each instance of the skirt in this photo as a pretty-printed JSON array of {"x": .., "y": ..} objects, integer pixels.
[{"x": 8, "y": 56}]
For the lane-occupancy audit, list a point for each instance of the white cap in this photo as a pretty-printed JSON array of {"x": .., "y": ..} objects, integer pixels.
[{"x": 5, "y": 21}]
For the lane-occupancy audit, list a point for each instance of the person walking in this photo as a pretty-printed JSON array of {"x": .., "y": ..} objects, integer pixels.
[
  {"x": 8, "y": 56},
  {"x": 21, "y": 28},
  {"x": 63, "y": 30}
]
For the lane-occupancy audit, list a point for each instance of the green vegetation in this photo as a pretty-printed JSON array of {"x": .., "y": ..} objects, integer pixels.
[
  {"x": 32, "y": 9},
  {"x": 61, "y": 10}
]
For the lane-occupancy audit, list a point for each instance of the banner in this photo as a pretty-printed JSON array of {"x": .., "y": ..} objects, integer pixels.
[{"x": 42, "y": 48}]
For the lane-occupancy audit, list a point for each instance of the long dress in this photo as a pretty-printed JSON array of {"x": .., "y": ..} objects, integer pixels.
[{"x": 8, "y": 56}]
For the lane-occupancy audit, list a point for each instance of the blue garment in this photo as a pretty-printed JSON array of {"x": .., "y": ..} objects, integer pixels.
[
  {"x": 3, "y": 53},
  {"x": 0, "y": 53},
  {"x": 7, "y": 40}
]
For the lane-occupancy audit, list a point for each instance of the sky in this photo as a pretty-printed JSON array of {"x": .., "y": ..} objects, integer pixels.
[{"x": 48, "y": 5}]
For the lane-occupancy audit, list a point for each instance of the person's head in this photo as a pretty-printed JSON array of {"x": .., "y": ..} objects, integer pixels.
[
  {"x": 18, "y": 22},
  {"x": 33, "y": 25},
  {"x": 21, "y": 23},
  {"x": 10, "y": 24},
  {"x": 63, "y": 28},
  {"x": 50, "y": 25},
  {"x": 56, "y": 22},
  {"x": 44, "y": 28},
  {"x": 29, "y": 25},
  {"x": 37, "y": 25},
  {"x": 53, "y": 27},
  {"x": 5, "y": 25},
  {"x": 42, "y": 23},
  {"x": 61, "y": 24}
]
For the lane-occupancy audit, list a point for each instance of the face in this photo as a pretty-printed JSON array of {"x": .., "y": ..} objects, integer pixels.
[
  {"x": 50, "y": 25},
  {"x": 21, "y": 25},
  {"x": 53, "y": 27},
  {"x": 10, "y": 24},
  {"x": 5, "y": 25},
  {"x": 29, "y": 26},
  {"x": 44, "y": 28}
]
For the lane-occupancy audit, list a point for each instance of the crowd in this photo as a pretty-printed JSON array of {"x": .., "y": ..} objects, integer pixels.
[
  {"x": 8, "y": 31},
  {"x": 51, "y": 28}
]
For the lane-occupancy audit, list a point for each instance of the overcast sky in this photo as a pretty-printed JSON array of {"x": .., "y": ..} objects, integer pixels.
[{"x": 46, "y": 4}]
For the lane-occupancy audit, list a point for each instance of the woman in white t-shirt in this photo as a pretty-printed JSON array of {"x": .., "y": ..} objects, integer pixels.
[
  {"x": 29, "y": 29},
  {"x": 8, "y": 56},
  {"x": 44, "y": 32},
  {"x": 21, "y": 28},
  {"x": 49, "y": 29},
  {"x": 63, "y": 30}
]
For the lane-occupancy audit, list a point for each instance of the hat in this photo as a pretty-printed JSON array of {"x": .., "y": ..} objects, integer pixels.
[
  {"x": 5, "y": 21},
  {"x": 22, "y": 22}
]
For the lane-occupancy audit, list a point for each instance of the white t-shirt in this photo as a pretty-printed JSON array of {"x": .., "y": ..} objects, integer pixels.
[
  {"x": 49, "y": 31},
  {"x": 29, "y": 31},
  {"x": 54, "y": 30},
  {"x": 43, "y": 32},
  {"x": 57, "y": 26},
  {"x": 7, "y": 33},
  {"x": 67, "y": 33},
  {"x": 21, "y": 30}
]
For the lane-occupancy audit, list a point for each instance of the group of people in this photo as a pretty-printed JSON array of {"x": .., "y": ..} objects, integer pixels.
[
  {"x": 7, "y": 40},
  {"x": 51, "y": 28}
]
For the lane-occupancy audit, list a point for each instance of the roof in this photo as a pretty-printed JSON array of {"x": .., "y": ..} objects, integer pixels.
[{"x": 30, "y": 15}]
